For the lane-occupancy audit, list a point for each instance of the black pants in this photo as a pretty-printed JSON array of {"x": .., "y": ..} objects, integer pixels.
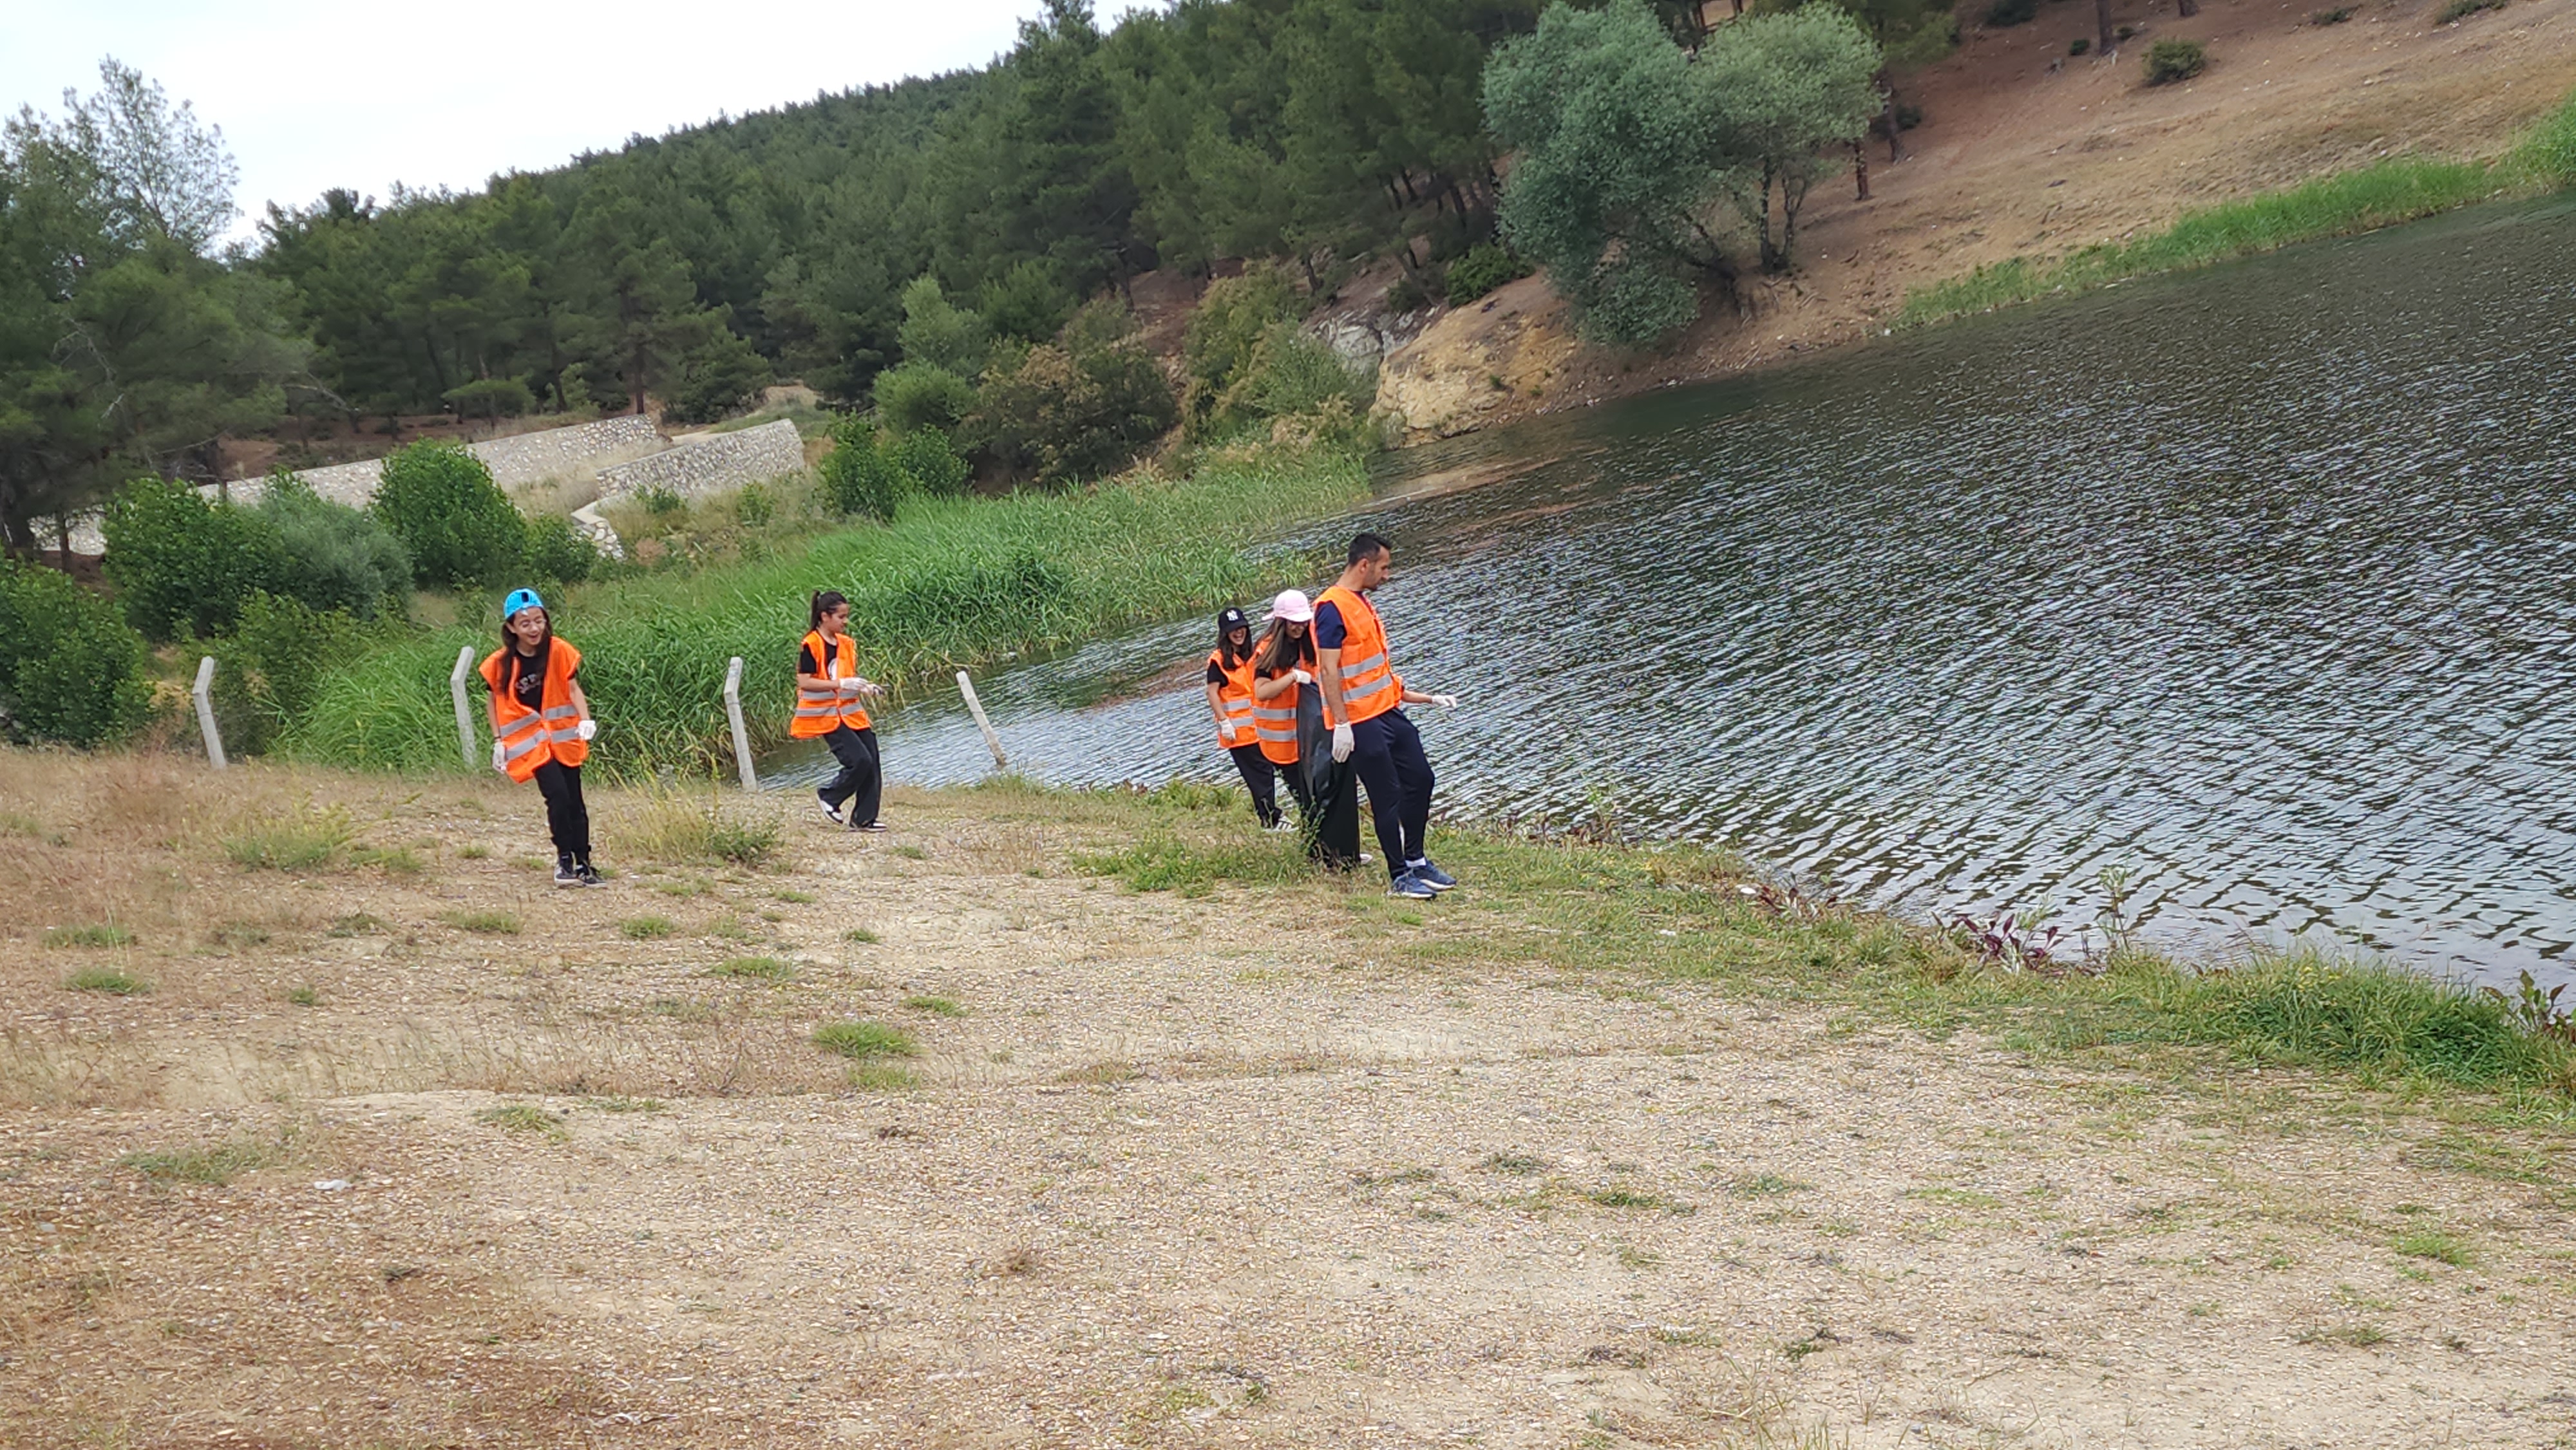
[
  {"x": 567, "y": 819},
  {"x": 862, "y": 778},
  {"x": 1386, "y": 754},
  {"x": 1294, "y": 776},
  {"x": 1257, "y": 778}
]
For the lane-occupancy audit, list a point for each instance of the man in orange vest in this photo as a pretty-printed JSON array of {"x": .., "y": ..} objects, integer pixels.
[{"x": 1364, "y": 700}]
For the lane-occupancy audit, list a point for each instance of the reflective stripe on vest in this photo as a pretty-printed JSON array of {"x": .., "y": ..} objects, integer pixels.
[
  {"x": 552, "y": 731},
  {"x": 1370, "y": 685}
]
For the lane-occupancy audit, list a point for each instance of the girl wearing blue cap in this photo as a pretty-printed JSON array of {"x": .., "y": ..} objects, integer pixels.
[{"x": 541, "y": 725}]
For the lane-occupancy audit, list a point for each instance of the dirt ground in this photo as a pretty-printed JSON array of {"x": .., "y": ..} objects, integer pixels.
[
  {"x": 480, "y": 1162},
  {"x": 2025, "y": 151}
]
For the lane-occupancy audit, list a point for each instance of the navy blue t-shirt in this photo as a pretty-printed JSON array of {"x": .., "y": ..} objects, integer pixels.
[{"x": 1329, "y": 629}]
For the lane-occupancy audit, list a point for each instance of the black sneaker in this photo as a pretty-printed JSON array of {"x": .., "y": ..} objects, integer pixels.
[
  {"x": 588, "y": 875},
  {"x": 831, "y": 812},
  {"x": 870, "y": 826},
  {"x": 566, "y": 874}
]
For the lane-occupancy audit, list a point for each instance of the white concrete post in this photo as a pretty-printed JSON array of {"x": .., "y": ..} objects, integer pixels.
[
  {"x": 206, "y": 713},
  {"x": 992, "y": 742},
  {"x": 733, "y": 717},
  {"x": 464, "y": 715}
]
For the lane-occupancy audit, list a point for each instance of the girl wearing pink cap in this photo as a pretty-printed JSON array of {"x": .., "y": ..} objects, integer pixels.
[{"x": 1282, "y": 663}]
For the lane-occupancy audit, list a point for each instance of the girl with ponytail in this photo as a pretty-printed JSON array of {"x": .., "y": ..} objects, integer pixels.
[{"x": 828, "y": 690}]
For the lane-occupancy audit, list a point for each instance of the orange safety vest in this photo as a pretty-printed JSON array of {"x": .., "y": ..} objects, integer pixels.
[
  {"x": 1236, "y": 696},
  {"x": 818, "y": 712},
  {"x": 1274, "y": 722},
  {"x": 1370, "y": 685},
  {"x": 530, "y": 738}
]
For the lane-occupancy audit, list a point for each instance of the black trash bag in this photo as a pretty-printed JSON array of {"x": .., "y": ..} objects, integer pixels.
[{"x": 1334, "y": 833}]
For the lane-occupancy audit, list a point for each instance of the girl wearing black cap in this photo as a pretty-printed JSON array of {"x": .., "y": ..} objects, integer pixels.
[{"x": 1229, "y": 697}]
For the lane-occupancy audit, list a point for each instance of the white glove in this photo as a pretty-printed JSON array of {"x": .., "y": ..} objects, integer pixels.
[
  {"x": 1444, "y": 702},
  {"x": 1341, "y": 743},
  {"x": 1301, "y": 677},
  {"x": 499, "y": 761},
  {"x": 849, "y": 684},
  {"x": 588, "y": 729}
]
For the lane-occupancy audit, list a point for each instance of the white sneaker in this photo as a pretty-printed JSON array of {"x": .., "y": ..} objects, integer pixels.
[{"x": 831, "y": 812}]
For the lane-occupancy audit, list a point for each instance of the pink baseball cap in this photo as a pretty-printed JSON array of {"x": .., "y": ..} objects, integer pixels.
[{"x": 1293, "y": 606}]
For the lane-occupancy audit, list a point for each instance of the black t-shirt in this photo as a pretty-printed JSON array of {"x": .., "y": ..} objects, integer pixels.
[
  {"x": 1301, "y": 656},
  {"x": 527, "y": 674},
  {"x": 807, "y": 664}
]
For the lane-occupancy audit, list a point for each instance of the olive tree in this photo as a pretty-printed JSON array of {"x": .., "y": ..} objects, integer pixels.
[
  {"x": 1617, "y": 168},
  {"x": 1785, "y": 87}
]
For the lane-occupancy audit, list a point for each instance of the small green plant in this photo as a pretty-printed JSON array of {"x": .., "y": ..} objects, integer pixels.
[
  {"x": 2169, "y": 61},
  {"x": 879, "y": 1077},
  {"x": 304, "y": 996},
  {"x": 102, "y": 935},
  {"x": 912, "y": 853},
  {"x": 624, "y": 1104},
  {"x": 1620, "y": 1196},
  {"x": 860, "y": 935},
  {"x": 2424, "y": 1243},
  {"x": 765, "y": 969},
  {"x": 2538, "y": 1012},
  {"x": 472, "y": 853},
  {"x": 690, "y": 831},
  {"x": 1486, "y": 266},
  {"x": 1518, "y": 1164},
  {"x": 304, "y": 839},
  {"x": 795, "y": 898},
  {"x": 486, "y": 923},
  {"x": 214, "y": 1165},
  {"x": 2351, "y": 1336},
  {"x": 1764, "y": 1185},
  {"x": 646, "y": 928},
  {"x": 2079, "y": 45},
  {"x": 523, "y": 1118},
  {"x": 108, "y": 980},
  {"x": 935, "y": 1006},
  {"x": 2336, "y": 16},
  {"x": 2462, "y": 9},
  {"x": 864, "y": 1040}
]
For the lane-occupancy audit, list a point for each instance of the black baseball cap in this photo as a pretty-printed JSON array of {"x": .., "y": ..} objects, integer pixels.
[{"x": 1231, "y": 620}]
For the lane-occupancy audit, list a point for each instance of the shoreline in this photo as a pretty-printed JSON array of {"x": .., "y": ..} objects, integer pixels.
[{"x": 1163, "y": 1136}]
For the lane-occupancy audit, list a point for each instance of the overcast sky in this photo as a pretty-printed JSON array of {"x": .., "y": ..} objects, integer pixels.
[{"x": 312, "y": 94}]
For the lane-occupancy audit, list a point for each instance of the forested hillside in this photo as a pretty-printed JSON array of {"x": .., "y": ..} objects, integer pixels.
[{"x": 696, "y": 266}]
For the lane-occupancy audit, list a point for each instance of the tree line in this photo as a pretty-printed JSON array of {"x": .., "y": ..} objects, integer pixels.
[{"x": 961, "y": 221}]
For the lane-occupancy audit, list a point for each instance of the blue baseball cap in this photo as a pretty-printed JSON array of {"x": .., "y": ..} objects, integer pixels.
[{"x": 520, "y": 599}]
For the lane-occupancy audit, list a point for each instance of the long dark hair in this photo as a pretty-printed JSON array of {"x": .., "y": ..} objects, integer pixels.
[
  {"x": 1276, "y": 641},
  {"x": 1225, "y": 641},
  {"x": 825, "y": 601}
]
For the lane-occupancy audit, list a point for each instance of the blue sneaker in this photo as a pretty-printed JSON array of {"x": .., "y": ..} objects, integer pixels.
[
  {"x": 1411, "y": 886},
  {"x": 1430, "y": 875}
]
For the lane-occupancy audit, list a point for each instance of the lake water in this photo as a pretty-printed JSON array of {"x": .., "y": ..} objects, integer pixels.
[{"x": 2255, "y": 581}]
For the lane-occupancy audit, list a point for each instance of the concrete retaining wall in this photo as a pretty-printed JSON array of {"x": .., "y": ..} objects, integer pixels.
[
  {"x": 574, "y": 453},
  {"x": 712, "y": 462}
]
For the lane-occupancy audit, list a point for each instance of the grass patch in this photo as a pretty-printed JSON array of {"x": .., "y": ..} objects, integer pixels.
[
  {"x": 215, "y": 1165},
  {"x": 624, "y": 1104},
  {"x": 106, "y": 979},
  {"x": 483, "y": 923},
  {"x": 795, "y": 898},
  {"x": 103, "y": 935},
  {"x": 472, "y": 853},
  {"x": 1765, "y": 1185},
  {"x": 2350, "y": 1336},
  {"x": 304, "y": 839},
  {"x": 935, "y": 1006},
  {"x": 304, "y": 996},
  {"x": 2433, "y": 1244},
  {"x": 1617, "y": 1196},
  {"x": 950, "y": 583},
  {"x": 880, "y": 1077},
  {"x": 1167, "y": 861},
  {"x": 699, "y": 830},
  {"x": 864, "y": 1040},
  {"x": 861, "y": 935},
  {"x": 2462, "y": 9},
  {"x": 646, "y": 928},
  {"x": 764, "y": 969},
  {"x": 1108, "y": 1072},
  {"x": 523, "y": 1118}
]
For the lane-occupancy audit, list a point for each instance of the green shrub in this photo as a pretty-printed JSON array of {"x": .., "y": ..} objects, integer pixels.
[
  {"x": 2003, "y": 13},
  {"x": 557, "y": 553},
  {"x": 458, "y": 525},
  {"x": 2462, "y": 9},
  {"x": 1029, "y": 302},
  {"x": 182, "y": 562},
  {"x": 1295, "y": 373},
  {"x": 1223, "y": 333},
  {"x": 858, "y": 476},
  {"x": 930, "y": 462},
  {"x": 1407, "y": 294},
  {"x": 269, "y": 668},
  {"x": 1486, "y": 266},
  {"x": 1081, "y": 407},
  {"x": 2079, "y": 45},
  {"x": 864, "y": 1040},
  {"x": 920, "y": 395},
  {"x": 2175, "y": 60},
  {"x": 70, "y": 670},
  {"x": 331, "y": 556}
]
